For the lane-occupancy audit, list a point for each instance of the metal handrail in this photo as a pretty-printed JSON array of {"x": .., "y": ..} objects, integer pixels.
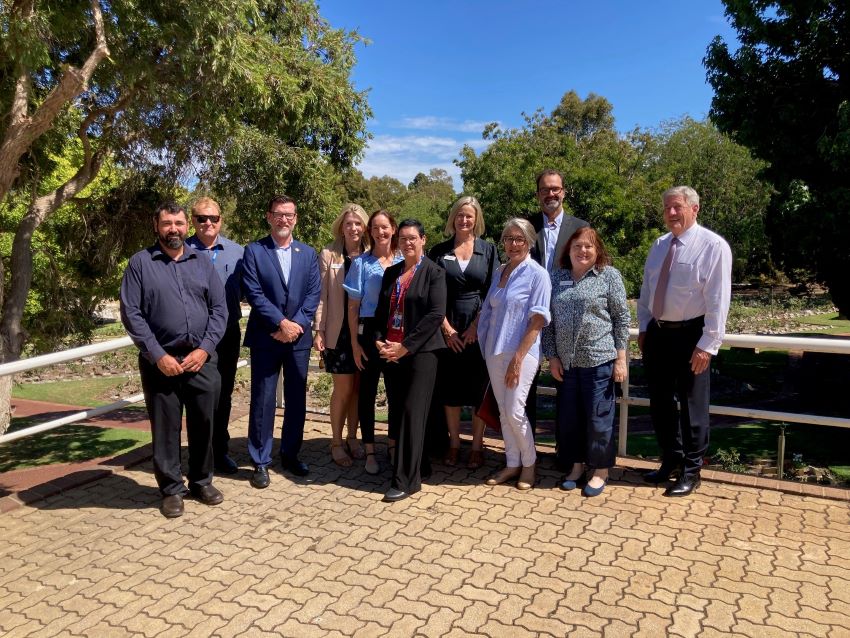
[{"x": 805, "y": 344}]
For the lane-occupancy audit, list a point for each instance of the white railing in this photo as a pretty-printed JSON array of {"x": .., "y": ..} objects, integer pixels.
[{"x": 805, "y": 344}]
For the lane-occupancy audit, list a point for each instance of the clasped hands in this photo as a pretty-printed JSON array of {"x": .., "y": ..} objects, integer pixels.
[
  {"x": 458, "y": 342},
  {"x": 392, "y": 351},
  {"x": 287, "y": 332},
  {"x": 192, "y": 362}
]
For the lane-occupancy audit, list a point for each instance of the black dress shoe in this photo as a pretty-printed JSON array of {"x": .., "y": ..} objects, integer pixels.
[
  {"x": 683, "y": 486},
  {"x": 298, "y": 468},
  {"x": 225, "y": 465},
  {"x": 661, "y": 475},
  {"x": 172, "y": 506},
  {"x": 208, "y": 495},
  {"x": 394, "y": 495},
  {"x": 260, "y": 477}
]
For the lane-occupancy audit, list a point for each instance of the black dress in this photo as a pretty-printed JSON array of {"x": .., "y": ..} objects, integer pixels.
[
  {"x": 340, "y": 360},
  {"x": 462, "y": 377}
]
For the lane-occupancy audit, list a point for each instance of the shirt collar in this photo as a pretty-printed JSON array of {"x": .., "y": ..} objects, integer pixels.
[
  {"x": 188, "y": 253},
  {"x": 558, "y": 219},
  {"x": 688, "y": 235}
]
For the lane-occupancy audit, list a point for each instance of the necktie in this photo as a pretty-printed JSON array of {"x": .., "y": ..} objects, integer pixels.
[{"x": 663, "y": 278}]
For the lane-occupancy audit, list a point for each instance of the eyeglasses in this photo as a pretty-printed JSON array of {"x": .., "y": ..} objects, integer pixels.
[
  {"x": 408, "y": 240},
  {"x": 203, "y": 219},
  {"x": 514, "y": 239},
  {"x": 287, "y": 216},
  {"x": 555, "y": 190}
]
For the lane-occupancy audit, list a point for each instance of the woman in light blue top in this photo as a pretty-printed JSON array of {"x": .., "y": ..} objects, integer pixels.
[
  {"x": 586, "y": 346},
  {"x": 363, "y": 285},
  {"x": 512, "y": 315}
]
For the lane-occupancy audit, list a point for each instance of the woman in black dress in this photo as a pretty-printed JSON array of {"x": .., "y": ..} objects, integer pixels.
[{"x": 469, "y": 262}]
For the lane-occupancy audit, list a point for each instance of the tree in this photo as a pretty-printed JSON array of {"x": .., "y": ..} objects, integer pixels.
[
  {"x": 176, "y": 89},
  {"x": 785, "y": 94}
]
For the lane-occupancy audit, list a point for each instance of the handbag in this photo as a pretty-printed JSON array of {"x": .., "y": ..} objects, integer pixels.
[{"x": 488, "y": 410}]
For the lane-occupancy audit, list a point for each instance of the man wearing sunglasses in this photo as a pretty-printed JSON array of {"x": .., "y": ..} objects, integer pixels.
[
  {"x": 226, "y": 257},
  {"x": 280, "y": 277}
]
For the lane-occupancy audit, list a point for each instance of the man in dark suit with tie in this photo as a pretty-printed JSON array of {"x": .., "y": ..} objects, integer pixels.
[
  {"x": 553, "y": 227},
  {"x": 281, "y": 282}
]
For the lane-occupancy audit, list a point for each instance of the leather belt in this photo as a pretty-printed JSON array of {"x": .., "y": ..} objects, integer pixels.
[{"x": 673, "y": 325}]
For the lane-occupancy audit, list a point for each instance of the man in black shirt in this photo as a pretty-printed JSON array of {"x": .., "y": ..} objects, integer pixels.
[{"x": 173, "y": 307}]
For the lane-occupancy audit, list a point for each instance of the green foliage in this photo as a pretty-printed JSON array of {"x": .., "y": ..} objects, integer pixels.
[
  {"x": 785, "y": 94},
  {"x": 615, "y": 182},
  {"x": 729, "y": 460}
]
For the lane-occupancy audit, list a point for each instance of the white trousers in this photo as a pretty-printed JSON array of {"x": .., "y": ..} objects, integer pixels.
[{"x": 516, "y": 429}]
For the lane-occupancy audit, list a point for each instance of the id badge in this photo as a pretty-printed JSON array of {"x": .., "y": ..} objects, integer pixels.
[
  {"x": 396, "y": 321},
  {"x": 360, "y": 329}
]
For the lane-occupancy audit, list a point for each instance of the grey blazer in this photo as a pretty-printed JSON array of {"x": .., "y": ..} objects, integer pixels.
[{"x": 569, "y": 225}]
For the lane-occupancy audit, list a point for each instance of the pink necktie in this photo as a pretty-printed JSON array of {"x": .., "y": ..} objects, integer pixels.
[{"x": 663, "y": 278}]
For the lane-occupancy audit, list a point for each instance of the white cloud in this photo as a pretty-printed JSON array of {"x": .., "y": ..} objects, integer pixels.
[
  {"x": 436, "y": 123},
  {"x": 403, "y": 156}
]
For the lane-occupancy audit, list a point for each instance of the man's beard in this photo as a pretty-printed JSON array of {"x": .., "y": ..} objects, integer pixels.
[
  {"x": 172, "y": 240},
  {"x": 283, "y": 232},
  {"x": 551, "y": 206}
]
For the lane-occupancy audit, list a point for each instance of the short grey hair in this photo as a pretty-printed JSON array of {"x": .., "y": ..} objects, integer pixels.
[
  {"x": 690, "y": 195},
  {"x": 524, "y": 226}
]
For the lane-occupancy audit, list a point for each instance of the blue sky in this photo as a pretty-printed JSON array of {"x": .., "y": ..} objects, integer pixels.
[{"x": 438, "y": 71}]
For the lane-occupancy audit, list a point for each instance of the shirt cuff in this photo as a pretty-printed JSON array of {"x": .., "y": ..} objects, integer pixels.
[
  {"x": 541, "y": 310},
  {"x": 709, "y": 344}
]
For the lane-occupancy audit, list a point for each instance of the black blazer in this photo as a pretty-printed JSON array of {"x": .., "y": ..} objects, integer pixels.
[
  {"x": 424, "y": 307},
  {"x": 569, "y": 225}
]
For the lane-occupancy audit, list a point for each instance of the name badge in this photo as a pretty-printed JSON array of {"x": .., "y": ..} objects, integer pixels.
[
  {"x": 569, "y": 283},
  {"x": 450, "y": 258},
  {"x": 360, "y": 329},
  {"x": 396, "y": 321},
  {"x": 337, "y": 266}
]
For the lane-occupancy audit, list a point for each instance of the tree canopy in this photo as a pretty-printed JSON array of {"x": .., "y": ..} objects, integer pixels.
[{"x": 785, "y": 94}]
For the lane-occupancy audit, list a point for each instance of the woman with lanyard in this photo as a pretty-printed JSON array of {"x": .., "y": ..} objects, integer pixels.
[
  {"x": 363, "y": 285},
  {"x": 410, "y": 311}
]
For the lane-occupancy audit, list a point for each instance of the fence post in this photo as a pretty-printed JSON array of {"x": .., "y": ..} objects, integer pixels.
[{"x": 624, "y": 411}]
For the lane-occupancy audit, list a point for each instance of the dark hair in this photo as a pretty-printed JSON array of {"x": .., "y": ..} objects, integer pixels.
[
  {"x": 170, "y": 207},
  {"x": 412, "y": 223},
  {"x": 280, "y": 199},
  {"x": 548, "y": 171},
  {"x": 602, "y": 257},
  {"x": 393, "y": 224}
]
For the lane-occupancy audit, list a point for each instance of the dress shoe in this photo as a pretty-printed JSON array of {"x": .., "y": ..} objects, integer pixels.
[
  {"x": 208, "y": 495},
  {"x": 298, "y": 468},
  {"x": 394, "y": 495},
  {"x": 593, "y": 491},
  {"x": 172, "y": 506},
  {"x": 661, "y": 475},
  {"x": 526, "y": 478},
  {"x": 260, "y": 477},
  {"x": 684, "y": 486},
  {"x": 504, "y": 475},
  {"x": 225, "y": 465}
]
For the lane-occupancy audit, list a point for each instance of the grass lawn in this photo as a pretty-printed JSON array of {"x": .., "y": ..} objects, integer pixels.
[
  {"x": 820, "y": 446},
  {"x": 836, "y": 325},
  {"x": 69, "y": 444},
  {"x": 87, "y": 392}
]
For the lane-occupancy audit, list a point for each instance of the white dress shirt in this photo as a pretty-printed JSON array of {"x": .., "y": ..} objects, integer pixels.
[{"x": 700, "y": 283}]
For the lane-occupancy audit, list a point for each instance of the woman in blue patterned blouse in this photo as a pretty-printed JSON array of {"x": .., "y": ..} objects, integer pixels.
[{"x": 586, "y": 347}]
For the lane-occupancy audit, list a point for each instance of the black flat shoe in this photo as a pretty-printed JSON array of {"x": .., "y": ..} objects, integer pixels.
[
  {"x": 394, "y": 495},
  {"x": 683, "y": 486},
  {"x": 225, "y": 465},
  {"x": 661, "y": 475},
  {"x": 298, "y": 468},
  {"x": 260, "y": 478}
]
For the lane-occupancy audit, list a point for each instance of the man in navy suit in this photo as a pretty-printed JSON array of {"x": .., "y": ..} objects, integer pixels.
[{"x": 281, "y": 281}]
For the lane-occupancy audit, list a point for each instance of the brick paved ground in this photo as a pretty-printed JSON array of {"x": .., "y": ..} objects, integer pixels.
[{"x": 325, "y": 557}]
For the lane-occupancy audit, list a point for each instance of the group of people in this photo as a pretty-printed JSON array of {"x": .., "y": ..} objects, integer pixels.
[{"x": 446, "y": 329}]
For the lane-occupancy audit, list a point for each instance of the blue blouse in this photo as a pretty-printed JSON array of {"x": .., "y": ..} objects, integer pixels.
[
  {"x": 590, "y": 318},
  {"x": 506, "y": 311},
  {"x": 363, "y": 281}
]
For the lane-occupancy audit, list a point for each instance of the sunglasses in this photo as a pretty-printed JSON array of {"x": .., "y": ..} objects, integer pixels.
[{"x": 203, "y": 219}]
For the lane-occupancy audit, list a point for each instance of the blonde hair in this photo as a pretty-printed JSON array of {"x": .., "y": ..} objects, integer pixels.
[
  {"x": 338, "y": 243},
  {"x": 204, "y": 203},
  {"x": 466, "y": 200}
]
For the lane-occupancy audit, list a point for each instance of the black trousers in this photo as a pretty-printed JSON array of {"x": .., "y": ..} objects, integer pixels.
[
  {"x": 410, "y": 384},
  {"x": 228, "y": 357},
  {"x": 369, "y": 378},
  {"x": 165, "y": 398},
  {"x": 682, "y": 434}
]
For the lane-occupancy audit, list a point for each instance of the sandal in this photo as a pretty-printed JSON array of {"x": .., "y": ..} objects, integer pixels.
[
  {"x": 451, "y": 456},
  {"x": 372, "y": 466},
  {"x": 476, "y": 459},
  {"x": 339, "y": 456},
  {"x": 355, "y": 450}
]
